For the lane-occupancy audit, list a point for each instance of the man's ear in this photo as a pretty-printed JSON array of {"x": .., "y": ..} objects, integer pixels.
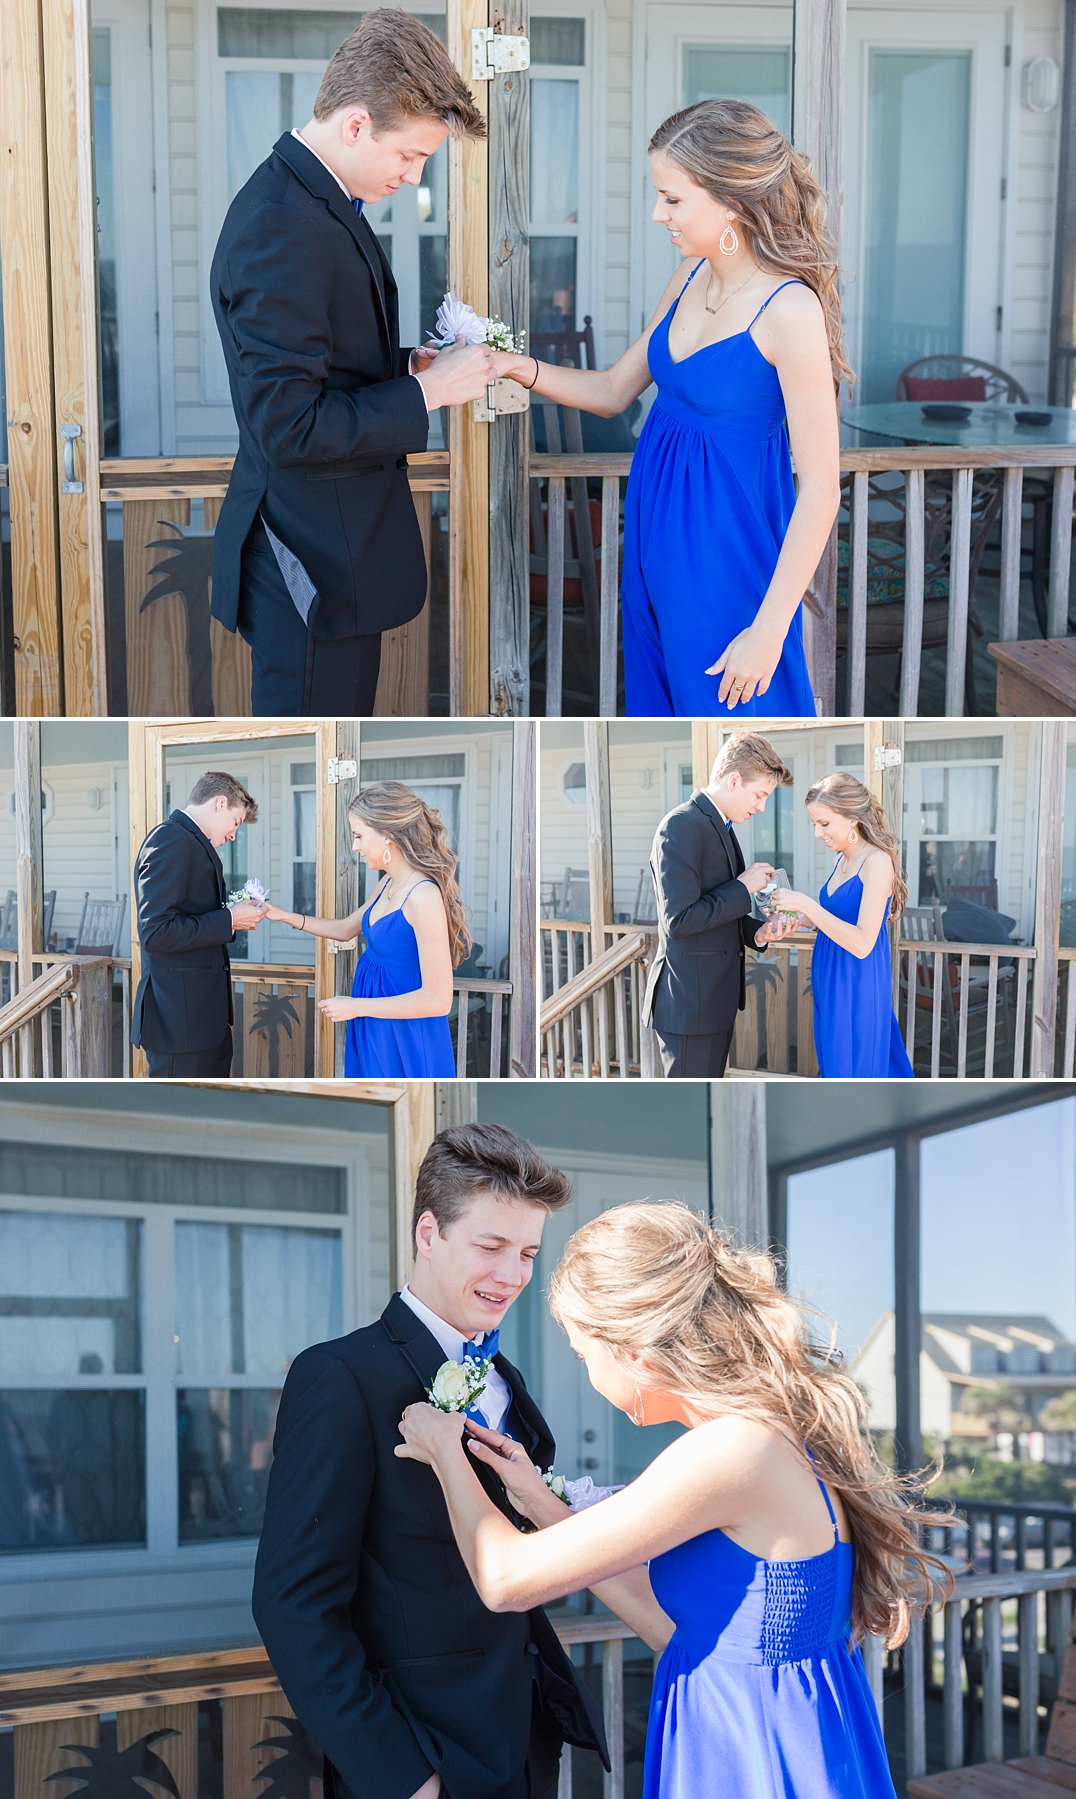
[
  {"x": 733, "y": 780},
  {"x": 425, "y": 1232}
]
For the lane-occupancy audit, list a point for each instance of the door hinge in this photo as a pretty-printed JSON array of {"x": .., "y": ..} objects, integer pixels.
[
  {"x": 494, "y": 54},
  {"x": 340, "y": 768},
  {"x": 887, "y": 755},
  {"x": 502, "y": 397}
]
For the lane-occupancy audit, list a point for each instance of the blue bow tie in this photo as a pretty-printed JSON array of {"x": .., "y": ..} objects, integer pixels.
[
  {"x": 357, "y": 204},
  {"x": 728, "y": 826},
  {"x": 479, "y": 1351}
]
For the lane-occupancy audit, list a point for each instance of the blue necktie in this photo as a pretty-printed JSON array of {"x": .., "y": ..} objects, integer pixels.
[
  {"x": 728, "y": 826},
  {"x": 478, "y": 1353},
  {"x": 357, "y": 204}
]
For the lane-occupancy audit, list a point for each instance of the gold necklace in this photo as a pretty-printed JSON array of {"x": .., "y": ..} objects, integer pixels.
[{"x": 714, "y": 310}]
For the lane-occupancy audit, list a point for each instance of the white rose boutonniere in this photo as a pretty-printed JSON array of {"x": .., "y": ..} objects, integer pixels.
[{"x": 457, "y": 1385}]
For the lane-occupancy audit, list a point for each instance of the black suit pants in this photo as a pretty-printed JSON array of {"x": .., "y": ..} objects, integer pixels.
[
  {"x": 297, "y": 675},
  {"x": 697, "y": 1057},
  {"x": 216, "y": 1064}
]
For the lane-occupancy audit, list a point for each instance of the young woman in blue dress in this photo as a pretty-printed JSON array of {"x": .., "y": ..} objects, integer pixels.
[
  {"x": 414, "y": 936},
  {"x": 855, "y": 1028},
  {"x": 745, "y": 348},
  {"x": 755, "y": 1552}
]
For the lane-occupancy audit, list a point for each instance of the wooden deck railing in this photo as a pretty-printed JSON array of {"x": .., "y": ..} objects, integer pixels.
[
  {"x": 82, "y": 986},
  {"x": 590, "y": 1023},
  {"x": 1005, "y": 467}
]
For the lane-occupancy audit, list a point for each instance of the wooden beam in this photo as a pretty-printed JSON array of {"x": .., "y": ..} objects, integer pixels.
[
  {"x": 523, "y": 919},
  {"x": 24, "y": 265},
  {"x": 29, "y": 850},
  {"x": 887, "y": 785},
  {"x": 1062, "y": 367},
  {"x": 908, "y": 1323},
  {"x": 1048, "y": 898},
  {"x": 509, "y": 299},
  {"x": 818, "y": 95},
  {"x": 738, "y": 1192},
  {"x": 468, "y": 506},
  {"x": 454, "y": 1102},
  {"x": 599, "y": 829},
  {"x": 73, "y": 267},
  {"x": 412, "y": 1131},
  {"x": 347, "y": 873},
  {"x": 706, "y": 739}
]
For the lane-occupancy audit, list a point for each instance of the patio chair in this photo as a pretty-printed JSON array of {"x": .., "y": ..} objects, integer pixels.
[
  {"x": 573, "y": 900},
  {"x": 958, "y": 378},
  {"x": 100, "y": 929},
  {"x": 984, "y": 895},
  {"x": 9, "y": 919},
  {"x": 646, "y": 900},
  {"x": 563, "y": 347}
]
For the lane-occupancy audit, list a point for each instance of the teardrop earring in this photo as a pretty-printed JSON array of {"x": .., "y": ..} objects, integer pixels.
[
  {"x": 638, "y": 1409},
  {"x": 853, "y": 835},
  {"x": 728, "y": 249},
  {"x": 387, "y": 857}
]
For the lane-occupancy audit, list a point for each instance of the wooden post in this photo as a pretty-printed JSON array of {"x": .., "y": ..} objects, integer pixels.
[
  {"x": 88, "y": 1016},
  {"x": 1048, "y": 898},
  {"x": 348, "y": 744},
  {"x": 881, "y": 738},
  {"x": 454, "y": 1102},
  {"x": 908, "y": 1442},
  {"x": 1063, "y": 321},
  {"x": 818, "y": 97},
  {"x": 73, "y": 268},
  {"x": 29, "y": 851},
  {"x": 24, "y": 264},
  {"x": 707, "y": 736},
  {"x": 413, "y": 1128},
  {"x": 523, "y": 920},
  {"x": 599, "y": 830},
  {"x": 738, "y": 1197},
  {"x": 468, "y": 505},
  {"x": 509, "y": 437}
]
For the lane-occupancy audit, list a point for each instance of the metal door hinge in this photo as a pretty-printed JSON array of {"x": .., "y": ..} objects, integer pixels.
[
  {"x": 494, "y": 54},
  {"x": 69, "y": 433},
  {"x": 502, "y": 397},
  {"x": 887, "y": 755},
  {"x": 340, "y": 768}
]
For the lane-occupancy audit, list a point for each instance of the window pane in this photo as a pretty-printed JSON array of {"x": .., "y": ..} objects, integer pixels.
[
  {"x": 69, "y": 1296},
  {"x": 225, "y": 1442},
  {"x": 53, "y": 1171},
  {"x": 758, "y": 74},
  {"x": 954, "y": 749},
  {"x": 72, "y": 1469},
  {"x": 304, "y": 774},
  {"x": 917, "y": 171},
  {"x": 553, "y": 284},
  {"x": 774, "y": 831},
  {"x": 410, "y": 768},
  {"x": 249, "y": 1298},
  {"x": 285, "y": 35},
  {"x": 101, "y": 58},
  {"x": 306, "y": 822},
  {"x": 561, "y": 42},
  {"x": 554, "y": 152},
  {"x": 433, "y": 279},
  {"x": 943, "y": 867},
  {"x": 958, "y": 802},
  {"x": 999, "y": 1290}
]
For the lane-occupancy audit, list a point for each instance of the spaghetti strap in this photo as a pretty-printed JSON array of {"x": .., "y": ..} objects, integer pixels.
[
  {"x": 825, "y": 1495},
  {"x": 765, "y": 303}
]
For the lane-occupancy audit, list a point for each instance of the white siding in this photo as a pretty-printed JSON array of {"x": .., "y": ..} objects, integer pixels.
[{"x": 1028, "y": 332}]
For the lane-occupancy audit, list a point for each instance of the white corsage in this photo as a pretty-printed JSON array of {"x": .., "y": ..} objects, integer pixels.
[
  {"x": 456, "y": 319},
  {"x": 457, "y": 1385},
  {"x": 252, "y": 892},
  {"x": 578, "y": 1494}
]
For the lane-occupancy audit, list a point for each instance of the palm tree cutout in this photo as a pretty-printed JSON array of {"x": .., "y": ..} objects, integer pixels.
[
  {"x": 120, "y": 1773},
  {"x": 273, "y": 1013},
  {"x": 300, "y": 1762},
  {"x": 188, "y": 571},
  {"x": 761, "y": 976}
]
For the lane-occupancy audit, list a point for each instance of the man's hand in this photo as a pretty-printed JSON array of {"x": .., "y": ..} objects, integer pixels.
[
  {"x": 457, "y": 375},
  {"x": 429, "y": 1788},
  {"x": 522, "y": 1481},
  {"x": 759, "y": 875},
  {"x": 246, "y": 916},
  {"x": 776, "y": 928},
  {"x": 422, "y": 358}
]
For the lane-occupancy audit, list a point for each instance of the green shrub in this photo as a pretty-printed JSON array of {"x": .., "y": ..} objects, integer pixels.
[{"x": 1026, "y": 1483}]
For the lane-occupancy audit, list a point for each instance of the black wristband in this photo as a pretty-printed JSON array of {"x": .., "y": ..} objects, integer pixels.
[{"x": 537, "y": 371}]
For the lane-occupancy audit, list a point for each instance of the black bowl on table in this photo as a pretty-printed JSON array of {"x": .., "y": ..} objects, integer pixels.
[
  {"x": 946, "y": 412},
  {"x": 1032, "y": 418}
]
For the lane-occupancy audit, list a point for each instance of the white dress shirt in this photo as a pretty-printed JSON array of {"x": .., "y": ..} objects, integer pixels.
[
  {"x": 295, "y": 132},
  {"x": 497, "y": 1398}
]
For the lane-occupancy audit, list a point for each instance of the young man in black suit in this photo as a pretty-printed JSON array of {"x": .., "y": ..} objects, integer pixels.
[
  {"x": 183, "y": 1007},
  {"x": 317, "y": 549},
  {"x": 697, "y": 981},
  {"x": 409, "y": 1686}
]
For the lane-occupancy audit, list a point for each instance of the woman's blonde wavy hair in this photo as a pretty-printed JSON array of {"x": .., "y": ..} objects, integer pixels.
[
  {"x": 420, "y": 832},
  {"x": 844, "y": 794},
  {"x": 711, "y": 1322},
  {"x": 737, "y": 155}
]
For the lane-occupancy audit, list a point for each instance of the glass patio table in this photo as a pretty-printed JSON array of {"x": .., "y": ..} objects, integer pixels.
[{"x": 991, "y": 425}]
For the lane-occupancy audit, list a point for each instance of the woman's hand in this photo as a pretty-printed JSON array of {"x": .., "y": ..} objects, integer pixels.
[
  {"x": 520, "y": 1478},
  {"x": 428, "y": 1432},
  {"x": 516, "y": 368},
  {"x": 747, "y": 665},
  {"x": 277, "y": 914},
  {"x": 800, "y": 902},
  {"x": 339, "y": 1010}
]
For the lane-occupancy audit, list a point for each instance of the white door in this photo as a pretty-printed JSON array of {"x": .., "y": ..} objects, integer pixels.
[
  {"x": 925, "y": 157},
  {"x": 695, "y": 53}
]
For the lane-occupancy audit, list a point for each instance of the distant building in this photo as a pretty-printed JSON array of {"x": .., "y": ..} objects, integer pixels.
[{"x": 962, "y": 1350}]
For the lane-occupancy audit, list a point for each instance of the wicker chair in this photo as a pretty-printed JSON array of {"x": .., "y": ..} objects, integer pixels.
[{"x": 958, "y": 378}]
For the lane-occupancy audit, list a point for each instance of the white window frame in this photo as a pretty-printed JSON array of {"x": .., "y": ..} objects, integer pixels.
[
  {"x": 589, "y": 231},
  {"x": 357, "y": 1154},
  {"x": 985, "y": 727}
]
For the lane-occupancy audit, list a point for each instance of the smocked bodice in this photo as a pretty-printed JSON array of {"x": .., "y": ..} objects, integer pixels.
[{"x": 738, "y": 1607}]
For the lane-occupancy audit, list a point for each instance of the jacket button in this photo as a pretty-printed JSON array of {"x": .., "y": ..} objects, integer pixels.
[{"x": 532, "y": 1649}]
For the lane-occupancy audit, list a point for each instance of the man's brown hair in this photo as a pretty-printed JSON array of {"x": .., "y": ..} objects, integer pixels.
[
  {"x": 396, "y": 69},
  {"x": 752, "y": 758},
  {"x": 209, "y": 786},
  {"x": 471, "y": 1159}
]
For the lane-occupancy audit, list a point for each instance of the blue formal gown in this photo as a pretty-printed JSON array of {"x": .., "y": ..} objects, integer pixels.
[
  {"x": 708, "y": 505},
  {"x": 759, "y": 1694},
  {"x": 393, "y": 1046},
  {"x": 855, "y": 1028}
]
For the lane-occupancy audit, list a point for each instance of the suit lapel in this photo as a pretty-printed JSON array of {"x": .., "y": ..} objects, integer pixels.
[
  {"x": 316, "y": 177},
  {"x": 188, "y": 824},
  {"x": 726, "y": 838}
]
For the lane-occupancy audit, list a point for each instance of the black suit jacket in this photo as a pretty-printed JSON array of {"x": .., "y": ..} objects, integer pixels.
[
  {"x": 385, "y": 1651},
  {"x": 184, "y": 999},
  {"x": 306, "y": 307},
  {"x": 697, "y": 980}
]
